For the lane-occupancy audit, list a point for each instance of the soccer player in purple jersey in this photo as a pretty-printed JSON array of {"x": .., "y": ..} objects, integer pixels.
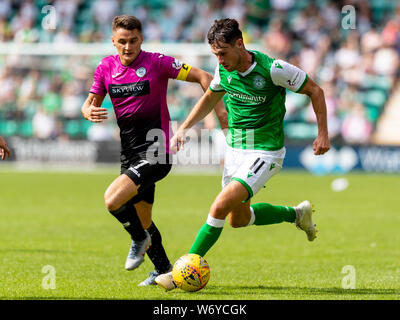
[
  {"x": 137, "y": 83},
  {"x": 4, "y": 149}
]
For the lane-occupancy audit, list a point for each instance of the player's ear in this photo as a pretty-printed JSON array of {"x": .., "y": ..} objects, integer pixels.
[{"x": 239, "y": 43}]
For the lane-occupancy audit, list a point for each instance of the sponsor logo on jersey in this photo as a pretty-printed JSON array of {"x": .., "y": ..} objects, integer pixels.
[
  {"x": 277, "y": 65},
  {"x": 259, "y": 82},
  {"x": 134, "y": 89},
  {"x": 141, "y": 72},
  {"x": 176, "y": 64},
  {"x": 115, "y": 75},
  {"x": 229, "y": 79},
  {"x": 248, "y": 98}
]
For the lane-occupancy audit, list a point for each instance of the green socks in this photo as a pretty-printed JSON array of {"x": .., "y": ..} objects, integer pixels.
[
  {"x": 207, "y": 236},
  {"x": 265, "y": 213}
]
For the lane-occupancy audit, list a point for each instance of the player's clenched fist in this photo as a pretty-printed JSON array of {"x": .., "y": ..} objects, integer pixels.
[
  {"x": 321, "y": 144},
  {"x": 4, "y": 149},
  {"x": 93, "y": 113}
]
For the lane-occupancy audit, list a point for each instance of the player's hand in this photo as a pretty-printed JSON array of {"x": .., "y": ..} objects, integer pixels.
[
  {"x": 321, "y": 144},
  {"x": 177, "y": 142},
  {"x": 4, "y": 149},
  {"x": 93, "y": 113}
]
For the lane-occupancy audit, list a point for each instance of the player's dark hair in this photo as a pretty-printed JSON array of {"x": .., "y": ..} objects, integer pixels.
[
  {"x": 126, "y": 22},
  {"x": 224, "y": 30}
]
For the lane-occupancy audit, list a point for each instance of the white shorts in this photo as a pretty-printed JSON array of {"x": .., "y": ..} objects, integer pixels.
[{"x": 252, "y": 168}]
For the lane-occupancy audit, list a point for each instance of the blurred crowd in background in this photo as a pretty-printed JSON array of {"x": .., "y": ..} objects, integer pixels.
[{"x": 41, "y": 96}]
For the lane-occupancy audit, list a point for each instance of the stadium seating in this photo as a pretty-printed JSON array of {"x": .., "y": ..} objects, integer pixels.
[{"x": 373, "y": 90}]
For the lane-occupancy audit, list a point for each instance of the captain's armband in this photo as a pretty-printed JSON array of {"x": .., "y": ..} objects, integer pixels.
[{"x": 183, "y": 73}]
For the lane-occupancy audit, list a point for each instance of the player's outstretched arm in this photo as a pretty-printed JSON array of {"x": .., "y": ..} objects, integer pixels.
[
  {"x": 200, "y": 76},
  {"x": 206, "y": 103},
  {"x": 204, "y": 79},
  {"x": 91, "y": 108},
  {"x": 321, "y": 143},
  {"x": 4, "y": 149}
]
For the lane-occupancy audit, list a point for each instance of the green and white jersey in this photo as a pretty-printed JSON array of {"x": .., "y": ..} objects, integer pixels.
[{"x": 256, "y": 101}]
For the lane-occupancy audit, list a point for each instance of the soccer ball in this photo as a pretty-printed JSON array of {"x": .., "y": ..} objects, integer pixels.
[{"x": 191, "y": 272}]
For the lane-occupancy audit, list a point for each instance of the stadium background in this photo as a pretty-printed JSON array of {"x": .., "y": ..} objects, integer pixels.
[
  {"x": 45, "y": 73},
  {"x": 59, "y": 219}
]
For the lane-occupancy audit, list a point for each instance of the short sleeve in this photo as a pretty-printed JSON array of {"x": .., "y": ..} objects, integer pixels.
[
  {"x": 98, "y": 86},
  {"x": 288, "y": 76},
  {"x": 215, "y": 83},
  {"x": 169, "y": 66}
]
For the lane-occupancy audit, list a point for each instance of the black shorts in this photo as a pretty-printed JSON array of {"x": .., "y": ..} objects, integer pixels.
[{"x": 145, "y": 174}]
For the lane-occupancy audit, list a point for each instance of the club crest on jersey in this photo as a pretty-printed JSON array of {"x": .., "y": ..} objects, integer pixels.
[
  {"x": 259, "y": 82},
  {"x": 176, "y": 64},
  {"x": 141, "y": 72}
]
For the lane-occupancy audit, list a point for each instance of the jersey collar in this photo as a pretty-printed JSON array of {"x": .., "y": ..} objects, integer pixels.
[{"x": 251, "y": 68}]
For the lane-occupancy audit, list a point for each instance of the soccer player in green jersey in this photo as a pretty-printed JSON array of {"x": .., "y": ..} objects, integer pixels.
[{"x": 255, "y": 85}]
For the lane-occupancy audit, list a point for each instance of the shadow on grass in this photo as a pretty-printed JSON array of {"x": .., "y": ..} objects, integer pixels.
[
  {"x": 58, "y": 298},
  {"x": 41, "y": 251},
  {"x": 251, "y": 293},
  {"x": 256, "y": 291},
  {"x": 49, "y": 298}
]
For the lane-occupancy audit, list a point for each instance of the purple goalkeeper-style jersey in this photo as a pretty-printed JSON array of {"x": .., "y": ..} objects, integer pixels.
[{"x": 138, "y": 93}]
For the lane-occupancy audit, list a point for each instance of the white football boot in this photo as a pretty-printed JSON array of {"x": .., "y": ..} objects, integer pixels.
[
  {"x": 166, "y": 281},
  {"x": 136, "y": 252},
  {"x": 304, "y": 219}
]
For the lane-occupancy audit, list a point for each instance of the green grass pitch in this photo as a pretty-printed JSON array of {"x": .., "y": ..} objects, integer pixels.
[{"x": 59, "y": 219}]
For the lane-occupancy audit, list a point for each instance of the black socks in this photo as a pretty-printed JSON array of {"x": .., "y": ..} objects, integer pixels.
[
  {"x": 156, "y": 252},
  {"x": 127, "y": 215},
  {"x": 129, "y": 218}
]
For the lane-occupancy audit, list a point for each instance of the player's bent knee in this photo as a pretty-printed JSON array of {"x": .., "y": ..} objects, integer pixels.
[
  {"x": 111, "y": 205},
  {"x": 111, "y": 202},
  {"x": 218, "y": 210}
]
